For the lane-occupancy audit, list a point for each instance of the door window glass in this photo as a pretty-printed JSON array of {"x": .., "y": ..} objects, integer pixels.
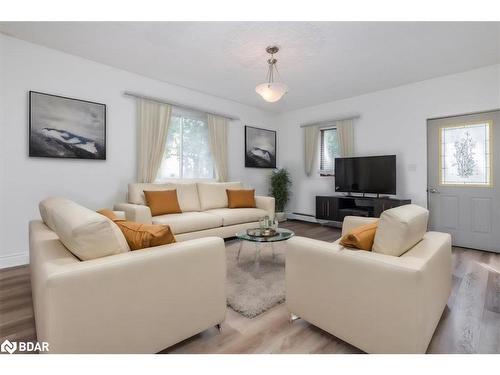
[{"x": 465, "y": 155}]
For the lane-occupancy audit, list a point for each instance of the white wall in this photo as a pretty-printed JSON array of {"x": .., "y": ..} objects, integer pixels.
[
  {"x": 392, "y": 122},
  {"x": 25, "y": 181}
]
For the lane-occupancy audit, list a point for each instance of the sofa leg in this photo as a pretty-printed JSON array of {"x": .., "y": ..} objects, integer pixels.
[
  {"x": 219, "y": 327},
  {"x": 293, "y": 317}
]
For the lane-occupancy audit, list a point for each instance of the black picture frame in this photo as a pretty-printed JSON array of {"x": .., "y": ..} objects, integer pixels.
[
  {"x": 260, "y": 148},
  {"x": 66, "y": 144}
]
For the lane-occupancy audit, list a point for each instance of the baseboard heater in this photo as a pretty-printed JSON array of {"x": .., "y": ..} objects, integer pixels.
[
  {"x": 301, "y": 214},
  {"x": 312, "y": 219}
]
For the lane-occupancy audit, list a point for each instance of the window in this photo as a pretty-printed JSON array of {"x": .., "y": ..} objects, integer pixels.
[
  {"x": 465, "y": 155},
  {"x": 187, "y": 152},
  {"x": 329, "y": 150}
]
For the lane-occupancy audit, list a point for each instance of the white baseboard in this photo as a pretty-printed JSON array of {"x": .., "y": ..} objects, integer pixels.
[{"x": 13, "y": 260}]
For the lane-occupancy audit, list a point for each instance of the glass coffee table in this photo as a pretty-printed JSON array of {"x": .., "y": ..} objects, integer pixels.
[{"x": 281, "y": 235}]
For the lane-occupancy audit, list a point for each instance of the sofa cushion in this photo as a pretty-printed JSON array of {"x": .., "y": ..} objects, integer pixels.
[
  {"x": 213, "y": 194},
  {"x": 87, "y": 234},
  {"x": 399, "y": 229},
  {"x": 45, "y": 207},
  {"x": 162, "y": 202},
  {"x": 232, "y": 216},
  {"x": 189, "y": 221},
  {"x": 187, "y": 194}
]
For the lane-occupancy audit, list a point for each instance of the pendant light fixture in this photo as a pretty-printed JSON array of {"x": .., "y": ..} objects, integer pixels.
[{"x": 271, "y": 91}]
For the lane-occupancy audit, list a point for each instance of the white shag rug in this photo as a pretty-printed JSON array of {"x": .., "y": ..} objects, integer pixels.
[{"x": 253, "y": 288}]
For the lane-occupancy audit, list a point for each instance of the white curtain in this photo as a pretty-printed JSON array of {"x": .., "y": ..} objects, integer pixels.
[
  {"x": 345, "y": 134},
  {"x": 311, "y": 136},
  {"x": 153, "y": 119},
  {"x": 217, "y": 135}
]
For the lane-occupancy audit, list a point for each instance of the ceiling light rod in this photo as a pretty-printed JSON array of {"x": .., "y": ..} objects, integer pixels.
[
  {"x": 271, "y": 91},
  {"x": 271, "y": 63}
]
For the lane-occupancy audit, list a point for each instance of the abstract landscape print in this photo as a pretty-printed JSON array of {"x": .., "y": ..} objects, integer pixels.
[
  {"x": 62, "y": 127},
  {"x": 260, "y": 148}
]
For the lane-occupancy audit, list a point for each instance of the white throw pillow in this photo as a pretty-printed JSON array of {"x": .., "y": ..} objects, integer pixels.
[
  {"x": 85, "y": 233},
  {"x": 213, "y": 194},
  {"x": 399, "y": 229}
]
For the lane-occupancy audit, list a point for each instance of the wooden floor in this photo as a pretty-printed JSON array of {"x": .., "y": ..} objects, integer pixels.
[{"x": 470, "y": 322}]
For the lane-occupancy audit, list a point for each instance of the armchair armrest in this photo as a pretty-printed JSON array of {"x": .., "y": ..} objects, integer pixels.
[
  {"x": 136, "y": 302},
  {"x": 266, "y": 203},
  {"x": 135, "y": 212}
]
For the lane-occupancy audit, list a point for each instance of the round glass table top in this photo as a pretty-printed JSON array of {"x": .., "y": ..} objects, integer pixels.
[{"x": 281, "y": 235}]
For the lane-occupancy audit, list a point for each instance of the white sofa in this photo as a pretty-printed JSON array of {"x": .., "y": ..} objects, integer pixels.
[
  {"x": 138, "y": 301},
  {"x": 377, "y": 302},
  {"x": 204, "y": 208}
]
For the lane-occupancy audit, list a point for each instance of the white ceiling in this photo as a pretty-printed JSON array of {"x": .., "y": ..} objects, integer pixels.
[{"x": 319, "y": 61}]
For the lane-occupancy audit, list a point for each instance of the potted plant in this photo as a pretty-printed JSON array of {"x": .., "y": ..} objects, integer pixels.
[{"x": 280, "y": 190}]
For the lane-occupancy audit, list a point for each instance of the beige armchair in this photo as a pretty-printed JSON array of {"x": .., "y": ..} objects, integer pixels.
[
  {"x": 138, "y": 301},
  {"x": 377, "y": 302}
]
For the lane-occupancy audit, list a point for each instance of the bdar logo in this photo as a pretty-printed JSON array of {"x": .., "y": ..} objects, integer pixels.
[
  {"x": 8, "y": 347},
  {"x": 24, "y": 346}
]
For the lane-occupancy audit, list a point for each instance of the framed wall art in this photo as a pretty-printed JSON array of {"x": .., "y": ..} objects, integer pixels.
[
  {"x": 260, "y": 148},
  {"x": 61, "y": 127}
]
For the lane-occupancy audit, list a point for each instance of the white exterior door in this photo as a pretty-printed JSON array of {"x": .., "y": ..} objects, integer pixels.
[{"x": 463, "y": 179}]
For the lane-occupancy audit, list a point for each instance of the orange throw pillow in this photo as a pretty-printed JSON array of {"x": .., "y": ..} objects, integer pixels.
[
  {"x": 141, "y": 236},
  {"x": 244, "y": 198},
  {"x": 162, "y": 202},
  {"x": 361, "y": 237},
  {"x": 108, "y": 213}
]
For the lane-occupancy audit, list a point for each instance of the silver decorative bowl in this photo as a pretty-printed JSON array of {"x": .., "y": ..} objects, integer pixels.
[{"x": 257, "y": 232}]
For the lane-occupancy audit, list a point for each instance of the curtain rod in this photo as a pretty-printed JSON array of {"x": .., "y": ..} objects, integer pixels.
[
  {"x": 158, "y": 100},
  {"x": 463, "y": 114},
  {"x": 328, "y": 122}
]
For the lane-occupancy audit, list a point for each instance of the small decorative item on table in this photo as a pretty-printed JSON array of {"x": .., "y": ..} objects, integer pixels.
[
  {"x": 261, "y": 232},
  {"x": 274, "y": 223},
  {"x": 267, "y": 228},
  {"x": 266, "y": 222}
]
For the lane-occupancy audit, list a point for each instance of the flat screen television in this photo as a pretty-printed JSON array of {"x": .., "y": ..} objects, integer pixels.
[{"x": 369, "y": 174}]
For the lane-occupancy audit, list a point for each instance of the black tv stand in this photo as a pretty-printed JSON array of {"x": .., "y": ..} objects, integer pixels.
[{"x": 336, "y": 207}]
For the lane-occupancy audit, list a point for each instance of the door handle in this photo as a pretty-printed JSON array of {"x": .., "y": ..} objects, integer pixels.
[{"x": 433, "y": 191}]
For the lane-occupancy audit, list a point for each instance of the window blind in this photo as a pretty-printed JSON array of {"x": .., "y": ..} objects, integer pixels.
[{"x": 329, "y": 150}]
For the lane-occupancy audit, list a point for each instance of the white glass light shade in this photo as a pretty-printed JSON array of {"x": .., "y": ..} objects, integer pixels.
[{"x": 271, "y": 92}]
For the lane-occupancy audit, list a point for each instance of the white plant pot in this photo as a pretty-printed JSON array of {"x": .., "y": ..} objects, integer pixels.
[{"x": 281, "y": 216}]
